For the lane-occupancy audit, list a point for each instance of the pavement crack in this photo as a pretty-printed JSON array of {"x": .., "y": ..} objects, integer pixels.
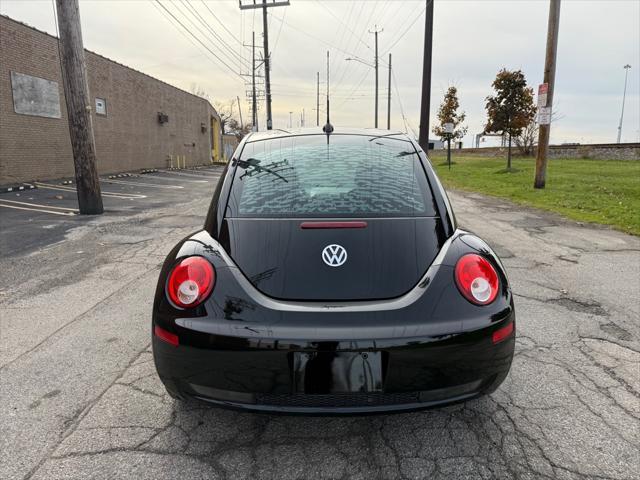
[
  {"x": 74, "y": 320},
  {"x": 75, "y": 421}
]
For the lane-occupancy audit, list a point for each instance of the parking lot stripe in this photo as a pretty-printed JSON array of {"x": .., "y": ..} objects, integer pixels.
[
  {"x": 125, "y": 196},
  {"x": 67, "y": 214},
  {"x": 152, "y": 185},
  {"x": 172, "y": 179},
  {"x": 39, "y": 205},
  {"x": 195, "y": 175}
]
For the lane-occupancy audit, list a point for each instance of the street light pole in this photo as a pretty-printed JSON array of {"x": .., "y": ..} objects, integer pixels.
[
  {"x": 375, "y": 67},
  {"x": 624, "y": 94}
]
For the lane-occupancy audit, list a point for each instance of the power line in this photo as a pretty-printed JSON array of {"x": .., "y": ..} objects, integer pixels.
[
  {"x": 341, "y": 66},
  {"x": 223, "y": 25},
  {"x": 366, "y": 29},
  {"x": 342, "y": 32},
  {"x": 229, "y": 53},
  {"x": 282, "y": 20},
  {"x": 188, "y": 17},
  {"x": 407, "y": 30},
  {"x": 198, "y": 40},
  {"x": 356, "y": 87},
  {"x": 343, "y": 23},
  {"x": 275, "y": 44},
  {"x": 395, "y": 85}
]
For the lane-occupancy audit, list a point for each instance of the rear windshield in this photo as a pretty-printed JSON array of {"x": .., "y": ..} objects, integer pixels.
[{"x": 351, "y": 176}]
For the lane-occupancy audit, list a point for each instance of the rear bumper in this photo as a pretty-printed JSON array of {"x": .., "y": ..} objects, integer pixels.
[{"x": 414, "y": 373}]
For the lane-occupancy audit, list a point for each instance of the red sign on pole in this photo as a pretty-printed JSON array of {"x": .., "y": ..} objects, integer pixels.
[{"x": 543, "y": 89}]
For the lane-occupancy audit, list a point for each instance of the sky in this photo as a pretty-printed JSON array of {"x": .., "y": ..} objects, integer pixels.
[{"x": 472, "y": 41}]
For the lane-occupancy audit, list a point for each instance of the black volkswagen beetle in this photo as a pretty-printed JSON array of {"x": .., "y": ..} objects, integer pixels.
[{"x": 330, "y": 277}]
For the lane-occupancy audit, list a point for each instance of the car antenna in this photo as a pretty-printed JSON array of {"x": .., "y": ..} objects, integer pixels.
[{"x": 328, "y": 128}]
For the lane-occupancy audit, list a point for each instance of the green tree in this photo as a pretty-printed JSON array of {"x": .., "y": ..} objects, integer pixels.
[
  {"x": 448, "y": 113},
  {"x": 511, "y": 108}
]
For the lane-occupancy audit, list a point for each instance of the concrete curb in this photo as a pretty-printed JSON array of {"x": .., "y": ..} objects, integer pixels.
[{"x": 17, "y": 188}]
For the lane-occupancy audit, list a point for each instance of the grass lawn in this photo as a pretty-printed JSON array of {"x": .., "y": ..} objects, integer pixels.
[{"x": 598, "y": 191}]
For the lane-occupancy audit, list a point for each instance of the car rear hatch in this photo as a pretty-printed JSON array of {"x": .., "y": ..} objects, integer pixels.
[{"x": 352, "y": 219}]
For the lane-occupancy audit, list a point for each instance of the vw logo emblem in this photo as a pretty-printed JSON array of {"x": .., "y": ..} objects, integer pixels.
[{"x": 334, "y": 255}]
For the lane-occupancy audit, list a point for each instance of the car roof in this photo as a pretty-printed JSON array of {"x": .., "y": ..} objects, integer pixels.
[{"x": 291, "y": 132}]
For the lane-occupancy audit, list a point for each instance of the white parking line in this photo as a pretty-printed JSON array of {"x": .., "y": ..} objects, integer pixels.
[
  {"x": 173, "y": 179},
  {"x": 151, "y": 185},
  {"x": 67, "y": 214},
  {"x": 183, "y": 174},
  {"x": 39, "y": 205},
  {"x": 124, "y": 196}
]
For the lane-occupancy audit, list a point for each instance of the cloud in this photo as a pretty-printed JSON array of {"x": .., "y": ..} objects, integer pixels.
[{"x": 472, "y": 41}]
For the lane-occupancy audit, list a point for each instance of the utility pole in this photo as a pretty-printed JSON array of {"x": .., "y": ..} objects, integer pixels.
[
  {"x": 318, "y": 100},
  {"x": 624, "y": 94},
  {"x": 425, "y": 105},
  {"x": 375, "y": 65},
  {"x": 240, "y": 112},
  {"x": 389, "y": 97},
  {"x": 254, "y": 100},
  {"x": 76, "y": 92},
  {"x": 267, "y": 63},
  {"x": 290, "y": 120},
  {"x": 549, "y": 79}
]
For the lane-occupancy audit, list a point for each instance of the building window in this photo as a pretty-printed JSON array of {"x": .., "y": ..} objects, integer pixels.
[{"x": 101, "y": 106}]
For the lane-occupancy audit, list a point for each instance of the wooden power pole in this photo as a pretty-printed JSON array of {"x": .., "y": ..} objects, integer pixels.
[
  {"x": 240, "y": 113},
  {"x": 425, "y": 104},
  {"x": 544, "y": 117},
  {"x": 375, "y": 65},
  {"x": 267, "y": 60},
  {"x": 389, "y": 97},
  {"x": 76, "y": 92}
]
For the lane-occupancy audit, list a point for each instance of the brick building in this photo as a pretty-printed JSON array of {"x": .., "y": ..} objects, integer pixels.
[{"x": 138, "y": 121}]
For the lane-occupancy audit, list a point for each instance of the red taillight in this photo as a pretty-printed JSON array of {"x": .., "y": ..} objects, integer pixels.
[
  {"x": 502, "y": 333},
  {"x": 477, "y": 280},
  {"x": 190, "y": 282},
  {"x": 165, "y": 336}
]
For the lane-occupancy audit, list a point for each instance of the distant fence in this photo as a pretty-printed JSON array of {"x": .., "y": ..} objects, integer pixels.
[
  {"x": 229, "y": 145},
  {"x": 600, "y": 151}
]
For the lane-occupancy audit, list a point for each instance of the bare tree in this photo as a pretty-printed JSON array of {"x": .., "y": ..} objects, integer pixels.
[
  {"x": 224, "y": 108},
  {"x": 528, "y": 139},
  {"x": 225, "y": 112}
]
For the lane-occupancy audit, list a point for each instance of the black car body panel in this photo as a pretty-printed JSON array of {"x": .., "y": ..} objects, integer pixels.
[
  {"x": 282, "y": 334},
  {"x": 280, "y": 258}
]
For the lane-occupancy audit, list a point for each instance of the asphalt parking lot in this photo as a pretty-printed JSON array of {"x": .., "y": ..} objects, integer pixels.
[{"x": 80, "y": 398}]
